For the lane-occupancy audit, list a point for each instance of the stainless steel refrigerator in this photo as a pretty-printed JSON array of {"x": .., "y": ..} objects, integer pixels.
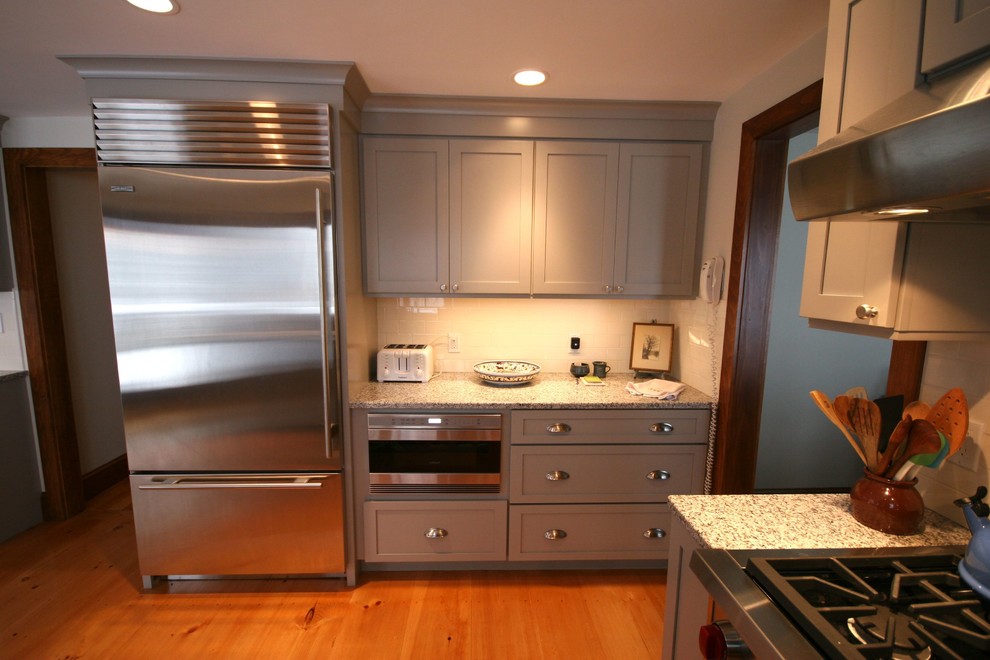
[{"x": 223, "y": 297}]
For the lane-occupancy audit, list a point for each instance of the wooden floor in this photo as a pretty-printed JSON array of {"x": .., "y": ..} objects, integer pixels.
[{"x": 72, "y": 590}]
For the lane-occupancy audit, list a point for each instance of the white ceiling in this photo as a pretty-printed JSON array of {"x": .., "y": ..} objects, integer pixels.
[{"x": 700, "y": 50}]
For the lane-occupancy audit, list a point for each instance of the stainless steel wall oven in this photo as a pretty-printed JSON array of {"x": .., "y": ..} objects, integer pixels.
[{"x": 441, "y": 453}]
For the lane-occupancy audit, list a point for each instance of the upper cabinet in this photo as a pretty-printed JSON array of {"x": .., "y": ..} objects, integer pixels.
[
  {"x": 532, "y": 197},
  {"x": 447, "y": 216},
  {"x": 470, "y": 217},
  {"x": 954, "y": 31},
  {"x": 888, "y": 279},
  {"x": 616, "y": 219}
]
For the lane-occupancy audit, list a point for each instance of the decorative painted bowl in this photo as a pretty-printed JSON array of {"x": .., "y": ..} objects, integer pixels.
[{"x": 506, "y": 372}]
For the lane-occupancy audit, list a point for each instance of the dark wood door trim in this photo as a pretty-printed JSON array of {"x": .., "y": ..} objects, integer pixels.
[
  {"x": 759, "y": 201},
  {"x": 41, "y": 314},
  {"x": 756, "y": 228}
]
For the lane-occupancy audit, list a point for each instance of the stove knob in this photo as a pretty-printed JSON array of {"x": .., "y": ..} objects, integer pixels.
[{"x": 719, "y": 640}]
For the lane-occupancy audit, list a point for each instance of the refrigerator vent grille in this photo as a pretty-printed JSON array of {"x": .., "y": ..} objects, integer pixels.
[{"x": 235, "y": 133}]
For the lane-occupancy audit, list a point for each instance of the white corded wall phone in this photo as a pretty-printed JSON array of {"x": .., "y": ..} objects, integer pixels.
[{"x": 710, "y": 286}]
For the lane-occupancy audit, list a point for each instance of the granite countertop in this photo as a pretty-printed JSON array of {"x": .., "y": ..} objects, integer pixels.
[
  {"x": 772, "y": 522},
  {"x": 11, "y": 375},
  {"x": 548, "y": 390}
]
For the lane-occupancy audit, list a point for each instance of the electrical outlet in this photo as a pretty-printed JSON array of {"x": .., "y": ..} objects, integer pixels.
[
  {"x": 968, "y": 456},
  {"x": 453, "y": 342},
  {"x": 575, "y": 343}
]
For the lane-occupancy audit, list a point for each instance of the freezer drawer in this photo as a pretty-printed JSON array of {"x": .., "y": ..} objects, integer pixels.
[{"x": 230, "y": 524}]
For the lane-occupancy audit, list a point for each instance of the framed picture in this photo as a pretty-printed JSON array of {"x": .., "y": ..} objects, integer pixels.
[{"x": 652, "y": 347}]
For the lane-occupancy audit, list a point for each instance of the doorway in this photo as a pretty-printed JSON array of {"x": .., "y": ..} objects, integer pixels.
[
  {"x": 811, "y": 456},
  {"x": 756, "y": 226}
]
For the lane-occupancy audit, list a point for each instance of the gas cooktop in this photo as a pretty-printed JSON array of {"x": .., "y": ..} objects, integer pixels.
[{"x": 898, "y": 603}]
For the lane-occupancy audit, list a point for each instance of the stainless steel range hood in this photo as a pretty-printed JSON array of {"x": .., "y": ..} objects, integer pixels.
[{"x": 928, "y": 150}]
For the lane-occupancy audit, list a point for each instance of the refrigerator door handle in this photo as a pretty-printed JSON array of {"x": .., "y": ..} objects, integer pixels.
[
  {"x": 329, "y": 425},
  {"x": 215, "y": 483}
]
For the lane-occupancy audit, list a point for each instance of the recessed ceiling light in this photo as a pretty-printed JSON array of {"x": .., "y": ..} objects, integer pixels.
[
  {"x": 156, "y": 6},
  {"x": 529, "y": 77}
]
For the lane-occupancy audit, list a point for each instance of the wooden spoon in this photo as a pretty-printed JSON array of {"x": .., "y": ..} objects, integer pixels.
[
  {"x": 895, "y": 444},
  {"x": 923, "y": 438},
  {"x": 825, "y": 406},
  {"x": 916, "y": 410},
  {"x": 864, "y": 417},
  {"x": 950, "y": 415}
]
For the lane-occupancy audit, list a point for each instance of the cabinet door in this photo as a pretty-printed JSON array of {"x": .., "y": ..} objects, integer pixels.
[
  {"x": 574, "y": 237},
  {"x": 657, "y": 219},
  {"x": 882, "y": 51},
  {"x": 491, "y": 216},
  {"x": 849, "y": 264},
  {"x": 954, "y": 30},
  {"x": 406, "y": 219}
]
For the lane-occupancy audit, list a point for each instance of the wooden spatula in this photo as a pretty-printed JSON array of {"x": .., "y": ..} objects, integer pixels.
[
  {"x": 825, "y": 405},
  {"x": 864, "y": 417},
  {"x": 950, "y": 415}
]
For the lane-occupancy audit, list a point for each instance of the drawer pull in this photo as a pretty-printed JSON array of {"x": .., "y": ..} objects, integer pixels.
[
  {"x": 662, "y": 427},
  {"x": 436, "y": 533},
  {"x": 654, "y": 533},
  {"x": 554, "y": 534},
  {"x": 658, "y": 475},
  {"x": 559, "y": 427},
  {"x": 557, "y": 475}
]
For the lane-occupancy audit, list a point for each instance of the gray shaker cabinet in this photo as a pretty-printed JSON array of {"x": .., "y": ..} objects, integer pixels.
[
  {"x": 447, "y": 216},
  {"x": 593, "y": 484},
  {"x": 616, "y": 219}
]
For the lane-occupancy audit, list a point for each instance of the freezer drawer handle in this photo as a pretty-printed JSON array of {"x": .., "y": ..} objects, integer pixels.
[
  {"x": 658, "y": 475},
  {"x": 191, "y": 483},
  {"x": 557, "y": 475},
  {"x": 436, "y": 533},
  {"x": 654, "y": 533}
]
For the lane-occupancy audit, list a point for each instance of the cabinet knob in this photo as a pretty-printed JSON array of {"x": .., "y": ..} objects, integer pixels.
[
  {"x": 554, "y": 534},
  {"x": 455, "y": 287},
  {"x": 607, "y": 289},
  {"x": 866, "y": 312},
  {"x": 435, "y": 533},
  {"x": 662, "y": 427},
  {"x": 559, "y": 427},
  {"x": 557, "y": 475},
  {"x": 654, "y": 533},
  {"x": 619, "y": 288},
  {"x": 443, "y": 287},
  {"x": 658, "y": 475}
]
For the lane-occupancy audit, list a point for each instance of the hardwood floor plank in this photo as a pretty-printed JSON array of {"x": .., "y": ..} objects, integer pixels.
[{"x": 71, "y": 589}]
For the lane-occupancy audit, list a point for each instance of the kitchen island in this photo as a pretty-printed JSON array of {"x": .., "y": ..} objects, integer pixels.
[
  {"x": 766, "y": 522},
  {"x": 466, "y": 391}
]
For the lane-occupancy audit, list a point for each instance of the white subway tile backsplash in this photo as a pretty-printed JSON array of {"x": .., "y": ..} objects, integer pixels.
[
  {"x": 965, "y": 365},
  {"x": 539, "y": 330}
]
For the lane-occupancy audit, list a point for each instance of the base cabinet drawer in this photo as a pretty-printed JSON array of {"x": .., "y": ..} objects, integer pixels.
[
  {"x": 575, "y": 427},
  {"x": 434, "y": 531},
  {"x": 589, "y": 531},
  {"x": 543, "y": 474}
]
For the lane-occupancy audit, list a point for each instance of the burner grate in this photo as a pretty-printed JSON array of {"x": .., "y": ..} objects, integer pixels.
[{"x": 912, "y": 607}]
